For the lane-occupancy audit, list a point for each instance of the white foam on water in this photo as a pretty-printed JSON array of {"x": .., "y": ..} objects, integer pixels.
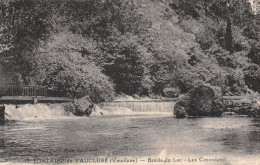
[
  {"x": 29, "y": 128},
  {"x": 122, "y": 111},
  {"x": 35, "y": 112},
  {"x": 147, "y": 106}
]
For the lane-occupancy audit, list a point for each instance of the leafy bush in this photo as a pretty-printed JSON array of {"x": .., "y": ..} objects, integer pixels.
[
  {"x": 235, "y": 82},
  {"x": 80, "y": 82},
  {"x": 254, "y": 53},
  {"x": 80, "y": 107},
  {"x": 252, "y": 77}
]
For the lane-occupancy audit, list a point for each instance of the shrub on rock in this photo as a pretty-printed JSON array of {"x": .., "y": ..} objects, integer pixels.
[
  {"x": 83, "y": 106},
  {"x": 179, "y": 111},
  {"x": 218, "y": 107},
  {"x": 80, "y": 107}
]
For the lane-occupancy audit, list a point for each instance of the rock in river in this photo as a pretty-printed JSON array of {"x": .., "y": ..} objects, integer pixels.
[{"x": 202, "y": 101}]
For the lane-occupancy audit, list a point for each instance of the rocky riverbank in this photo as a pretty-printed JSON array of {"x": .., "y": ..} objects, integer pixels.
[{"x": 207, "y": 101}]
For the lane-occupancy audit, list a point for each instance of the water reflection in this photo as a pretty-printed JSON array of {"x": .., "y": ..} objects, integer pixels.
[
  {"x": 245, "y": 140},
  {"x": 128, "y": 136}
]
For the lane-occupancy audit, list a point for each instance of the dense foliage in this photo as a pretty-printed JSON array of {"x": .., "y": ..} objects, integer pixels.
[{"x": 98, "y": 48}]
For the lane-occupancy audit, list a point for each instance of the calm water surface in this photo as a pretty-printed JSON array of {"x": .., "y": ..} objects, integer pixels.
[{"x": 145, "y": 135}]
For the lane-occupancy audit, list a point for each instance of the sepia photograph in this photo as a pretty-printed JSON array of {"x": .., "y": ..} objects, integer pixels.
[{"x": 123, "y": 82}]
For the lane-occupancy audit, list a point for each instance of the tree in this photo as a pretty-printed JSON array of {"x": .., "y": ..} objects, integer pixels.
[
  {"x": 62, "y": 68},
  {"x": 254, "y": 53},
  {"x": 229, "y": 36},
  {"x": 127, "y": 71},
  {"x": 24, "y": 25}
]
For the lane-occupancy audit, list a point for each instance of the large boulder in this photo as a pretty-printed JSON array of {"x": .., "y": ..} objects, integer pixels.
[
  {"x": 202, "y": 101},
  {"x": 80, "y": 107}
]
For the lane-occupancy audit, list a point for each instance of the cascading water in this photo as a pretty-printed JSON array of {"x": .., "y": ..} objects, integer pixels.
[
  {"x": 56, "y": 111},
  {"x": 35, "y": 111},
  {"x": 143, "y": 106}
]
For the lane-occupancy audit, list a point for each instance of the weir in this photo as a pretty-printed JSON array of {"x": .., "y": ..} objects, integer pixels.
[
  {"x": 144, "y": 106},
  {"x": 35, "y": 112},
  {"x": 28, "y": 94}
]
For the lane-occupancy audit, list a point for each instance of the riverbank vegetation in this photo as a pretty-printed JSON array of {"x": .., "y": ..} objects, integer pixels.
[{"x": 97, "y": 49}]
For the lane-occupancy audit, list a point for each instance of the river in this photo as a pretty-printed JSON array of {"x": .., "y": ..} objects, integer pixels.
[{"x": 137, "y": 136}]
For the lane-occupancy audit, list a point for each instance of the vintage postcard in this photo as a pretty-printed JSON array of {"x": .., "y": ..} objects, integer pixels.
[{"x": 171, "y": 82}]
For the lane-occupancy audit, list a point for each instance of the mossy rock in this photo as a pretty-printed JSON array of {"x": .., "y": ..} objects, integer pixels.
[
  {"x": 80, "y": 107},
  {"x": 202, "y": 101}
]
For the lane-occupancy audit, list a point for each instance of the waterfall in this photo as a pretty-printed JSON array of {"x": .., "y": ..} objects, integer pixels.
[
  {"x": 143, "y": 106},
  {"x": 56, "y": 111},
  {"x": 35, "y": 112}
]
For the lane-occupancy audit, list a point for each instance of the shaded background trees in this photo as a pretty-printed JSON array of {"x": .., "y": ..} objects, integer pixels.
[
  {"x": 98, "y": 48},
  {"x": 24, "y": 24}
]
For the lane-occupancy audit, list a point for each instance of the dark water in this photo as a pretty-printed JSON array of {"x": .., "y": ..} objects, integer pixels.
[{"x": 135, "y": 136}]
